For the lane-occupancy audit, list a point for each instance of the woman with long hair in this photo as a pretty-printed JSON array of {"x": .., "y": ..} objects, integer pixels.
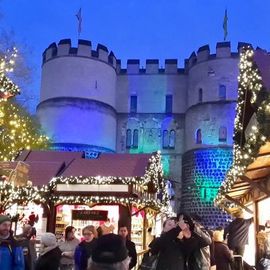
[{"x": 68, "y": 248}]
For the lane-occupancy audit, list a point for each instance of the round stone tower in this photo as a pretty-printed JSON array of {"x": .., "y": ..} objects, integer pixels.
[
  {"x": 209, "y": 123},
  {"x": 78, "y": 95}
]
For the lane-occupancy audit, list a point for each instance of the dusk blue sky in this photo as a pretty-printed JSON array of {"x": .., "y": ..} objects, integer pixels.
[{"x": 141, "y": 29}]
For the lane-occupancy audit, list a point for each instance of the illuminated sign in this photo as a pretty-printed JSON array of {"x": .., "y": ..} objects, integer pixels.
[
  {"x": 112, "y": 188},
  {"x": 89, "y": 215}
]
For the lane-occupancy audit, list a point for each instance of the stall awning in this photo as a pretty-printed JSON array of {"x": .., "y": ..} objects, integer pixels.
[{"x": 255, "y": 183}]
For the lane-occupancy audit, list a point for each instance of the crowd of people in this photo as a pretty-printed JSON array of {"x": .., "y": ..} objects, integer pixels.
[
  {"x": 99, "y": 249},
  {"x": 184, "y": 244}
]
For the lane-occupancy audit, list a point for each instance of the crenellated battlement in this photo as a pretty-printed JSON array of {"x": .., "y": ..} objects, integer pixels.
[
  {"x": 134, "y": 66},
  {"x": 84, "y": 49},
  {"x": 152, "y": 66},
  {"x": 223, "y": 50}
]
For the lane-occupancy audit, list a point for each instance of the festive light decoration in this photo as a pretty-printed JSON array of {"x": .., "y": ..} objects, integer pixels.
[
  {"x": 7, "y": 87},
  {"x": 153, "y": 175},
  {"x": 18, "y": 131},
  {"x": 11, "y": 194},
  {"x": 151, "y": 183},
  {"x": 249, "y": 80}
]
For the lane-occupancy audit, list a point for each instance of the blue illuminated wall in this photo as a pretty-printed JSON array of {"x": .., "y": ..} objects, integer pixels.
[{"x": 204, "y": 171}]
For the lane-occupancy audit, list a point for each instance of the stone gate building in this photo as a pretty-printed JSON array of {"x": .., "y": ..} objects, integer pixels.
[{"x": 89, "y": 102}]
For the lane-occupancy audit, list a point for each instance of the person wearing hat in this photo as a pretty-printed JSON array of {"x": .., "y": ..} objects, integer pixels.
[
  {"x": 50, "y": 254},
  {"x": 109, "y": 253},
  {"x": 11, "y": 254}
]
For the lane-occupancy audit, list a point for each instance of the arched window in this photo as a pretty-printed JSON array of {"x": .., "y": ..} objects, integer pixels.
[
  {"x": 135, "y": 138},
  {"x": 200, "y": 98},
  {"x": 198, "y": 136},
  {"x": 222, "y": 134},
  {"x": 222, "y": 92},
  {"x": 172, "y": 139},
  {"x": 165, "y": 139},
  {"x": 128, "y": 138}
]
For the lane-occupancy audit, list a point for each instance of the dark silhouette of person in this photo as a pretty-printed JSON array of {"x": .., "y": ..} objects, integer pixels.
[{"x": 237, "y": 232}]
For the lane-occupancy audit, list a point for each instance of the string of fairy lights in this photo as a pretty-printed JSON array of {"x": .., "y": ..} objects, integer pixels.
[
  {"x": 18, "y": 131},
  {"x": 153, "y": 175},
  {"x": 7, "y": 62},
  {"x": 47, "y": 194},
  {"x": 249, "y": 80}
]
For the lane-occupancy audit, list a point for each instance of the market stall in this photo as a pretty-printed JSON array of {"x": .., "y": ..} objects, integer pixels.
[
  {"x": 111, "y": 190},
  {"x": 247, "y": 184}
]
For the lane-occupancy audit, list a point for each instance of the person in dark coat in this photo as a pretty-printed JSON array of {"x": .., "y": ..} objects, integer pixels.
[
  {"x": 109, "y": 253},
  {"x": 84, "y": 250},
  {"x": 237, "y": 232},
  {"x": 197, "y": 246},
  {"x": 168, "y": 247},
  {"x": 29, "y": 249},
  {"x": 223, "y": 255},
  {"x": 123, "y": 232},
  {"x": 50, "y": 254},
  {"x": 11, "y": 254}
]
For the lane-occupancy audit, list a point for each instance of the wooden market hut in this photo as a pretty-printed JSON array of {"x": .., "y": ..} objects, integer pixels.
[
  {"x": 134, "y": 182},
  {"x": 247, "y": 184}
]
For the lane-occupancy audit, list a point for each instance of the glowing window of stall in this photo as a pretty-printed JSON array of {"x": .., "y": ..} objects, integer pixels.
[
  {"x": 64, "y": 218},
  {"x": 24, "y": 213}
]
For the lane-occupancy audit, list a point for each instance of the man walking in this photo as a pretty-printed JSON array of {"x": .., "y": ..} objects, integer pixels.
[{"x": 123, "y": 232}]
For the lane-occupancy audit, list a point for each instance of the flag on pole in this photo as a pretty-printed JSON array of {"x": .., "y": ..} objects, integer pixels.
[
  {"x": 79, "y": 17},
  {"x": 225, "y": 25}
]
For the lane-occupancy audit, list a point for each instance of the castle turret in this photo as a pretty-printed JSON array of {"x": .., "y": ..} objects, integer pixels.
[
  {"x": 78, "y": 95},
  {"x": 209, "y": 121}
]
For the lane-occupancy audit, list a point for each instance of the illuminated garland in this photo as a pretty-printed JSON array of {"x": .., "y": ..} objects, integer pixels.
[
  {"x": 153, "y": 175},
  {"x": 11, "y": 194},
  {"x": 249, "y": 80}
]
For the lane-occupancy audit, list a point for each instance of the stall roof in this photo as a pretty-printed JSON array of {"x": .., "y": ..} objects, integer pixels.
[
  {"x": 40, "y": 172},
  {"x": 119, "y": 165},
  {"x": 44, "y": 165},
  {"x": 56, "y": 156},
  {"x": 257, "y": 172}
]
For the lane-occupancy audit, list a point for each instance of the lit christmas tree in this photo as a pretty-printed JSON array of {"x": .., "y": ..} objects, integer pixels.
[{"x": 18, "y": 130}]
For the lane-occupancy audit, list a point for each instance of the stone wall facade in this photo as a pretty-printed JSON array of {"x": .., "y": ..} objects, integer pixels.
[{"x": 203, "y": 172}]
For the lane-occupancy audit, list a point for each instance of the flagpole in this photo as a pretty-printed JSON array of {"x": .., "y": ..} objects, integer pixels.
[
  {"x": 79, "y": 18},
  {"x": 225, "y": 24}
]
